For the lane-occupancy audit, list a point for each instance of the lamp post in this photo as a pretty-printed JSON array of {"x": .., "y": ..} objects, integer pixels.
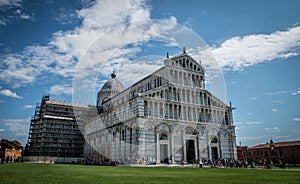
[{"x": 273, "y": 153}]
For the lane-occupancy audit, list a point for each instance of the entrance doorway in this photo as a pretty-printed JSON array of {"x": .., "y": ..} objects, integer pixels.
[
  {"x": 164, "y": 153},
  {"x": 214, "y": 153},
  {"x": 190, "y": 151}
]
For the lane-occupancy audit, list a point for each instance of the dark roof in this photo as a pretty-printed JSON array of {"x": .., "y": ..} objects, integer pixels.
[
  {"x": 277, "y": 144},
  {"x": 12, "y": 144}
]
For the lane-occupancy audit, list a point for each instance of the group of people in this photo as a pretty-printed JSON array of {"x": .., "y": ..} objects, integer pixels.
[
  {"x": 228, "y": 163},
  {"x": 267, "y": 164},
  {"x": 219, "y": 163},
  {"x": 8, "y": 160}
]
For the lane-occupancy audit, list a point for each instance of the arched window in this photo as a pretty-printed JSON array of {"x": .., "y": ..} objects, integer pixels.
[
  {"x": 215, "y": 140},
  {"x": 123, "y": 135},
  {"x": 190, "y": 131},
  {"x": 145, "y": 108},
  {"x": 163, "y": 137},
  {"x": 226, "y": 119}
]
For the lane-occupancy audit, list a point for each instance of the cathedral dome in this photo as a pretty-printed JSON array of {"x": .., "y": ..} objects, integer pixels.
[
  {"x": 113, "y": 85},
  {"x": 111, "y": 88}
]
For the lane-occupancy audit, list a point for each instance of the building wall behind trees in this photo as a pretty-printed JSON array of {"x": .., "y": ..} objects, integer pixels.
[
  {"x": 286, "y": 152},
  {"x": 10, "y": 151}
]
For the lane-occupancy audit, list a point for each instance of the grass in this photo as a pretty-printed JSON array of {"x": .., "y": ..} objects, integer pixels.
[{"x": 63, "y": 173}]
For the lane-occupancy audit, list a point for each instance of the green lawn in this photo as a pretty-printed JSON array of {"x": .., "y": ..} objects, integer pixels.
[{"x": 60, "y": 173}]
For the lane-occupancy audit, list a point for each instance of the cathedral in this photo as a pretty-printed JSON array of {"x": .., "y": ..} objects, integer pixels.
[{"x": 166, "y": 117}]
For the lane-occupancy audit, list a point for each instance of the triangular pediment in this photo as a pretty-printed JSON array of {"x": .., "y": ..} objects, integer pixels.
[{"x": 185, "y": 61}]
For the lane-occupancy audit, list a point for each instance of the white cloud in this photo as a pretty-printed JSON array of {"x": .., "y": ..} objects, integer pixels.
[
  {"x": 240, "y": 52},
  {"x": 25, "y": 67},
  {"x": 132, "y": 72},
  {"x": 23, "y": 15},
  {"x": 296, "y": 92},
  {"x": 5, "y": 16},
  {"x": 283, "y": 137},
  {"x": 296, "y": 119},
  {"x": 10, "y": 3},
  {"x": 65, "y": 16},
  {"x": 28, "y": 106},
  {"x": 2, "y": 130},
  {"x": 248, "y": 125},
  {"x": 274, "y": 129},
  {"x": 60, "y": 55},
  {"x": 2, "y": 22},
  {"x": 113, "y": 13},
  {"x": 9, "y": 93},
  {"x": 254, "y": 98},
  {"x": 252, "y": 123},
  {"x": 277, "y": 92},
  {"x": 252, "y": 137},
  {"x": 19, "y": 127},
  {"x": 274, "y": 110},
  {"x": 84, "y": 50},
  {"x": 113, "y": 25},
  {"x": 61, "y": 89}
]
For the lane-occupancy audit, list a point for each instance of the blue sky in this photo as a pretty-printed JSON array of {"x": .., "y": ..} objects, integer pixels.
[{"x": 255, "y": 45}]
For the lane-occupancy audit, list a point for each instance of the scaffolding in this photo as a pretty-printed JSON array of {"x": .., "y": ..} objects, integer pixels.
[{"x": 54, "y": 131}]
